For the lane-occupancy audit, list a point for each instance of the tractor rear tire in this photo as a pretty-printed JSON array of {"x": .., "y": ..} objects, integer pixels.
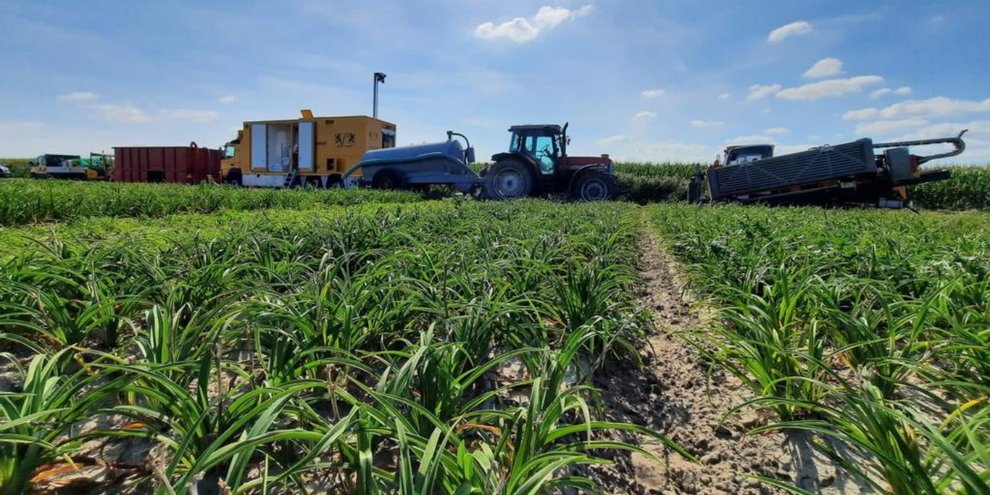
[
  {"x": 387, "y": 180},
  {"x": 594, "y": 185},
  {"x": 508, "y": 180}
]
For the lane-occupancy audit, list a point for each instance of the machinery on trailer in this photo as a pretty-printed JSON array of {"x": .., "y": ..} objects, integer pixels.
[
  {"x": 858, "y": 172},
  {"x": 310, "y": 150},
  {"x": 96, "y": 166},
  {"x": 537, "y": 163}
]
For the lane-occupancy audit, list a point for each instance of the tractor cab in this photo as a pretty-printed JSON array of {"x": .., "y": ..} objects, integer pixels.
[
  {"x": 544, "y": 144},
  {"x": 537, "y": 163}
]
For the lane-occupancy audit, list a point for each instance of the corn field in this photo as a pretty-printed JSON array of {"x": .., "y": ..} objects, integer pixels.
[
  {"x": 869, "y": 328},
  {"x": 429, "y": 348},
  {"x": 207, "y": 339}
]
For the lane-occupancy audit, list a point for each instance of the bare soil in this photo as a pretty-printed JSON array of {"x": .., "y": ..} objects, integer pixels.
[{"x": 677, "y": 394}]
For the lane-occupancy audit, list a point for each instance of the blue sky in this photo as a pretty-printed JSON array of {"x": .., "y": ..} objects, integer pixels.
[{"x": 641, "y": 80}]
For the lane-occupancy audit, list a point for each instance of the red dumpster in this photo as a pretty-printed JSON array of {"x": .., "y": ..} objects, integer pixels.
[{"x": 174, "y": 164}]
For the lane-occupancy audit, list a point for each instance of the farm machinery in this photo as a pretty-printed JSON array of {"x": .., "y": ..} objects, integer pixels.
[
  {"x": 94, "y": 167},
  {"x": 536, "y": 163},
  {"x": 859, "y": 172}
]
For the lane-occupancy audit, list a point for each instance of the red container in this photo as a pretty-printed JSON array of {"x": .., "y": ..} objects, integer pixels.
[{"x": 174, "y": 164}]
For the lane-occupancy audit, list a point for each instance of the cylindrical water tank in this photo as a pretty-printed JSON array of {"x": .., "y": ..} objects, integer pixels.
[{"x": 451, "y": 148}]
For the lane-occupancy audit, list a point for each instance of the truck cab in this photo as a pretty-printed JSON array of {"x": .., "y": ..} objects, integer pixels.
[{"x": 737, "y": 154}]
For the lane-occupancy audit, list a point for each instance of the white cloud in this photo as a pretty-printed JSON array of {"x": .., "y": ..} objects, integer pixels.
[
  {"x": 880, "y": 92},
  {"x": 749, "y": 139},
  {"x": 706, "y": 124},
  {"x": 724, "y": 96},
  {"x": 940, "y": 106},
  {"x": 79, "y": 96},
  {"x": 980, "y": 128},
  {"x": 189, "y": 115},
  {"x": 777, "y": 130},
  {"x": 888, "y": 126},
  {"x": 652, "y": 93},
  {"x": 861, "y": 114},
  {"x": 612, "y": 140},
  {"x": 123, "y": 113},
  {"x": 630, "y": 150},
  {"x": 901, "y": 91},
  {"x": 759, "y": 92},
  {"x": 798, "y": 28},
  {"x": 829, "y": 88},
  {"x": 646, "y": 114},
  {"x": 522, "y": 30},
  {"x": 227, "y": 99},
  {"x": 824, "y": 68}
]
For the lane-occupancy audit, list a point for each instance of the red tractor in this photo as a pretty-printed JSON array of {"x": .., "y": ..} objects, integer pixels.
[{"x": 537, "y": 164}]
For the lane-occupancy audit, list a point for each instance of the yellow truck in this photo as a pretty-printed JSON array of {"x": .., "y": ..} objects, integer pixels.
[{"x": 309, "y": 151}]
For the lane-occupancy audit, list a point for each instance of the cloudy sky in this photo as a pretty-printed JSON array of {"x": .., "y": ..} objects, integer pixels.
[{"x": 646, "y": 80}]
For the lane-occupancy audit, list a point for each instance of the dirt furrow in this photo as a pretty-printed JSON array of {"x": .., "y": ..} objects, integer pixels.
[{"x": 677, "y": 395}]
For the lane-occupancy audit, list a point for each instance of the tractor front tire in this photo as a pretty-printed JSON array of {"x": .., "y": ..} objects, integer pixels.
[
  {"x": 508, "y": 180},
  {"x": 594, "y": 185}
]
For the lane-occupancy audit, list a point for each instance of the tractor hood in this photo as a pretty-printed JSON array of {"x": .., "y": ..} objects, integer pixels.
[{"x": 589, "y": 160}]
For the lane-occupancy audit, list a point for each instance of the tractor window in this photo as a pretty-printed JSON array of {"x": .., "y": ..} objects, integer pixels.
[
  {"x": 545, "y": 150},
  {"x": 514, "y": 143}
]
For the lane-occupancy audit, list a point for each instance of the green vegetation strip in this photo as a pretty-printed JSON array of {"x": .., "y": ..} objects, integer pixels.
[
  {"x": 436, "y": 348},
  {"x": 27, "y": 201},
  {"x": 867, "y": 327}
]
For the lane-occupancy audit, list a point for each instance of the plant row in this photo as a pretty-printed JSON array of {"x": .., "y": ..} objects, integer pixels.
[
  {"x": 446, "y": 348},
  {"x": 868, "y": 328},
  {"x": 25, "y": 201}
]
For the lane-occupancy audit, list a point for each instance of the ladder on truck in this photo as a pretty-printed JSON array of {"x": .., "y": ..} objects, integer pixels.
[{"x": 289, "y": 179}]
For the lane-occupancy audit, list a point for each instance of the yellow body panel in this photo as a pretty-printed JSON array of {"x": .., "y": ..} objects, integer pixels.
[{"x": 339, "y": 143}]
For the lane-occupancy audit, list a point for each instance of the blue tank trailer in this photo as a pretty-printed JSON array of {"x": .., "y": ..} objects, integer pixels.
[
  {"x": 536, "y": 163},
  {"x": 856, "y": 173},
  {"x": 408, "y": 167}
]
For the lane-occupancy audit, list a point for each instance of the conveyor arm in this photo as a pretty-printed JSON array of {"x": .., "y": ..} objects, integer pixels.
[{"x": 957, "y": 141}]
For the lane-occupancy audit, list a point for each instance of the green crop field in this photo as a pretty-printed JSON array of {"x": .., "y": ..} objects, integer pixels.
[
  {"x": 871, "y": 328},
  {"x": 193, "y": 339}
]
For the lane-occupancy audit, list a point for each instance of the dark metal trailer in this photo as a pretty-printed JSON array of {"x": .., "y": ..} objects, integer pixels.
[
  {"x": 858, "y": 172},
  {"x": 173, "y": 164}
]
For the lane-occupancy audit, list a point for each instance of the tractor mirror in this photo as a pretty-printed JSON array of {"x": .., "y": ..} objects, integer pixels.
[{"x": 469, "y": 155}]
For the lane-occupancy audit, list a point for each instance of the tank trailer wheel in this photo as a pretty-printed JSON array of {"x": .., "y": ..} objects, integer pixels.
[
  {"x": 508, "y": 180},
  {"x": 387, "y": 179},
  {"x": 594, "y": 185}
]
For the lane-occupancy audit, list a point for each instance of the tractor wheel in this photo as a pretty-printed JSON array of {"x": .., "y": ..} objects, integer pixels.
[
  {"x": 594, "y": 185},
  {"x": 508, "y": 180},
  {"x": 387, "y": 179}
]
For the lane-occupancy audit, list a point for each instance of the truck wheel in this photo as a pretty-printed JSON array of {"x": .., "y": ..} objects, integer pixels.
[
  {"x": 334, "y": 182},
  {"x": 508, "y": 180},
  {"x": 387, "y": 179},
  {"x": 594, "y": 185}
]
